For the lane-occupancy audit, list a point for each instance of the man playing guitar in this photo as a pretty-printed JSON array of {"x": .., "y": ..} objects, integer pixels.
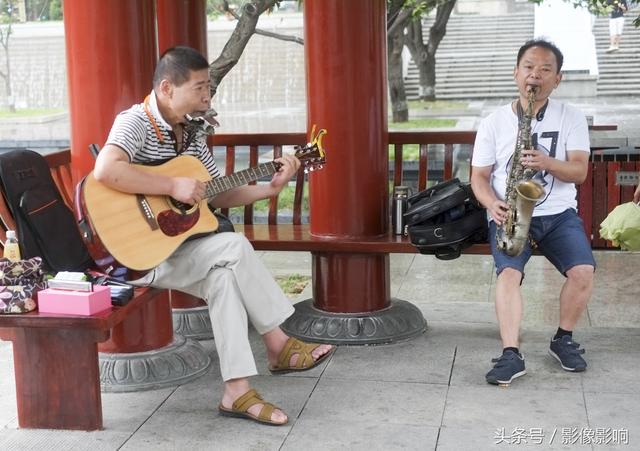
[{"x": 221, "y": 268}]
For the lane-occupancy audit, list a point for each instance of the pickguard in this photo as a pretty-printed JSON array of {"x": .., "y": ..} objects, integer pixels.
[{"x": 173, "y": 223}]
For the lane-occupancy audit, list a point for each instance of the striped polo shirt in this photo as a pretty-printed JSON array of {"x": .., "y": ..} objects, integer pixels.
[{"x": 136, "y": 134}]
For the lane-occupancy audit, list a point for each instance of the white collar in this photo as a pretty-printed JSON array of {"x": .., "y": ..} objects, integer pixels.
[{"x": 153, "y": 107}]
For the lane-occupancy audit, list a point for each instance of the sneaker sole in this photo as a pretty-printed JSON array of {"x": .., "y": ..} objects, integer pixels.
[
  {"x": 515, "y": 376},
  {"x": 573, "y": 370}
]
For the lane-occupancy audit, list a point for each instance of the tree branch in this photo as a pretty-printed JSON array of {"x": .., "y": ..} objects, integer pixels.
[
  {"x": 232, "y": 51},
  {"x": 282, "y": 37},
  {"x": 270, "y": 34},
  {"x": 400, "y": 20}
]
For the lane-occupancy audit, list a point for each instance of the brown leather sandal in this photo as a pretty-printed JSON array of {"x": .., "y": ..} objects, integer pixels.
[
  {"x": 305, "y": 359},
  {"x": 240, "y": 409}
]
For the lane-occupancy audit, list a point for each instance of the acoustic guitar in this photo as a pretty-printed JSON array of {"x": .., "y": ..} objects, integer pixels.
[{"x": 140, "y": 231}]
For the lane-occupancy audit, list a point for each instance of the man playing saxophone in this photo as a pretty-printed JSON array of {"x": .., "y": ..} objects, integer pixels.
[{"x": 556, "y": 161}]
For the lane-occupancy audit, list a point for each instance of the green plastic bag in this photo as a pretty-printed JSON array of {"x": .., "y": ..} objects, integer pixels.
[{"x": 622, "y": 226}]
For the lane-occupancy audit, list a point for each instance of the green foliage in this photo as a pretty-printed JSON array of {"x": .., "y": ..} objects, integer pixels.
[
  {"x": 8, "y": 11},
  {"x": 34, "y": 10},
  {"x": 293, "y": 283},
  {"x": 33, "y": 112},
  {"x": 285, "y": 201},
  {"x": 410, "y": 152},
  {"x": 55, "y": 10},
  {"x": 419, "y": 8},
  {"x": 597, "y": 7},
  {"x": 214, "y": 8},
  {"x": 437, "y": 105},
  {"x": 421, "y": 124}
]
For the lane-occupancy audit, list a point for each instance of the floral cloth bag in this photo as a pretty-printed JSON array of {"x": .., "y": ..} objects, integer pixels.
[{"x": 19, "y": 283}]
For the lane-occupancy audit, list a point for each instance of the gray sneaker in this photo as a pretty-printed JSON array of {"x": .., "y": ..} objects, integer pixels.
[
  {"x": 507, "y": 367},
  {"x": 566, "y": 351}
]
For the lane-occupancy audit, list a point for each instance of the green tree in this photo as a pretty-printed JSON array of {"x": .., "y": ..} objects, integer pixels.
[
  {"x": 55, "y": 10},
  {"x": 597, "y": 7},
  {"x": 403, "y": 14},
  {"x": 37, "y": 9},
  {"x": 247, "y": 15},
  {"x": 405, "y": 28}
]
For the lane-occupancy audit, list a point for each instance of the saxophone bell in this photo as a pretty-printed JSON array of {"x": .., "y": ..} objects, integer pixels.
[{"x": 529, "y": 192}]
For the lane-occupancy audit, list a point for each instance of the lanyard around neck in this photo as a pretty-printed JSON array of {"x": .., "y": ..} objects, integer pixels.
[
  {"x": 153, "y": 120},
  {"x": 185, "y": 144}
]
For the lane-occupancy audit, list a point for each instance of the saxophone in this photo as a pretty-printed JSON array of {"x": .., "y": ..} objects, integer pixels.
[{"x": 522, "y": 191}]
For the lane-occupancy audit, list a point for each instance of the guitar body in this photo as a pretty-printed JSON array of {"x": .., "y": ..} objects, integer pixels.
[{"x": 141, "y": 231}]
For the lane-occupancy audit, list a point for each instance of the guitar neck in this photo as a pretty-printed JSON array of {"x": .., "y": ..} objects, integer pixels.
[{"x": 222, "y": 184}]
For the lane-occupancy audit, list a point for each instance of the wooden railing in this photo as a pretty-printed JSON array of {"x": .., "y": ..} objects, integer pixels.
[{"x": 441, "y": 156}]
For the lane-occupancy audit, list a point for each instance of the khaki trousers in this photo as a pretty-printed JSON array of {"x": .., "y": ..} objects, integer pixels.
[{"x": 224, "y": 270}]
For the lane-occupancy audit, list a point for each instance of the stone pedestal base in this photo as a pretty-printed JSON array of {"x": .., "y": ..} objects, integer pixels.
[
  {"x": 401, "y": 321},
  {"x": 192, "y": 322},
  {"x": 182, "y": 361}
]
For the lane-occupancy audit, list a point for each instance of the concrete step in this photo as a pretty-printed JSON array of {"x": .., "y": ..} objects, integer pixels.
[
  {"x": 608, "y": 93},
  {"x": 487, "y": 45},
  {"x": 476, "y": 45}
]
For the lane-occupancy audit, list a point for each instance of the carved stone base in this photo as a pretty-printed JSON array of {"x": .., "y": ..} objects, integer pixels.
[
  {"x": 193, "y": 322},
  {"x": 401, "y": 321},
  {"x": 182, "y": 361}
]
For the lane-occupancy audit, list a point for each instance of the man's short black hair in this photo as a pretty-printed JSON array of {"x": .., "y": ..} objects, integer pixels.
[
  {"x": 176, "y": 64},
  {"x": 544, "y": 44}
]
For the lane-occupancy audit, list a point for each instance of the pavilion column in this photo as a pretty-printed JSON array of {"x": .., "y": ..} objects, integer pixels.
[
  {"x": 111, "y": 52},
  {"x": 345, "y": 57},
  {"x": 184, "y": 22}
]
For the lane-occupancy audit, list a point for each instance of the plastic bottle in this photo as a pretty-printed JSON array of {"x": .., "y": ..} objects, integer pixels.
[{"x": 11, "y": 247}]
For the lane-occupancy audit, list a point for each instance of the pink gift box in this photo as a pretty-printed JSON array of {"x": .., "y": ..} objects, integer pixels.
[{"x": 74, "y": 302}]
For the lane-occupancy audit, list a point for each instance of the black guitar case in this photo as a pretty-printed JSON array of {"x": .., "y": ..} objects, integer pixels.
[{"x": 46, "y": 226}]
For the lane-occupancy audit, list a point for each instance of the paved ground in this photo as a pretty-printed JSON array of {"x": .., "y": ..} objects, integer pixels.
[{"x": 424, "y": 394}]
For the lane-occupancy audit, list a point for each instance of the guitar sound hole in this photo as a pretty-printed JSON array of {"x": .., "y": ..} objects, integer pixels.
[{"x": 181, "y": 206}]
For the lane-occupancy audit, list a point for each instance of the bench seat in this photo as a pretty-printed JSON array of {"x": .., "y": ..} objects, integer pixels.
[{"x": 290, "y": 237}]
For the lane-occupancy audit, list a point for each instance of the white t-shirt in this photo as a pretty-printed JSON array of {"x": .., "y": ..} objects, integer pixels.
[{"x": 562, "y": 128}]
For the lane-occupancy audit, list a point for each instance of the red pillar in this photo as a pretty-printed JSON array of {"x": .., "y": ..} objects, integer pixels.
[
  {"x": 345, "y": 45},
  {"x": 111, "y": 53},
  {"x": 182, "y": 22}
]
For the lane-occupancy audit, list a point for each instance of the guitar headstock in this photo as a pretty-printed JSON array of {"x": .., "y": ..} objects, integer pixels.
[{"x": 312, "y": 155}]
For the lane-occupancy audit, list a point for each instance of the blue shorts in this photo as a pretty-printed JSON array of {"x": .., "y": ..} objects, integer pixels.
[{"x": 560, "y": 238}]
